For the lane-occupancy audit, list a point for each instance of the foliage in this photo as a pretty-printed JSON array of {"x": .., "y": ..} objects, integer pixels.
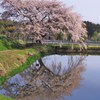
[
  {"x": 95, "y": 36},
  {"x": 5, "y": 23},
  {"x": 6, "y": 26},
  {"x": 42, "y": 18},
  {"x": 10, "y": 28},
  {"x": 5, "y": 43},
  {"x": 18, "y": 44},
  {"x": 2, "y": 97},
  {"x": 91, "y": 28},
  {"x": 9, "y": 43},
  {"x": 2, "y": 47}
]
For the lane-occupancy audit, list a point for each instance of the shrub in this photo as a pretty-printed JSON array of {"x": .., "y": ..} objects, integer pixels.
[
  {"x": 5, "y": 43},
  {"x": 2, "y": 36},
  {"x": 19, "y": 44},
  {"x": 10, "y": 28}
]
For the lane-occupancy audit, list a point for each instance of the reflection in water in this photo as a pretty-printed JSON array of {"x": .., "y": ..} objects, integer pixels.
[{"x": 50, "y": 78}]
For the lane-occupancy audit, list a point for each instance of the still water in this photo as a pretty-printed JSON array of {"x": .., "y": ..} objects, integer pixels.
[
  {"x": 57, "y": 77},
  {"x": 90, "y": 86}
]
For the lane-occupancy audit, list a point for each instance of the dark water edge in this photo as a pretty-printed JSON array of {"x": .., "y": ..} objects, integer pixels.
[{"x": 65, "y": 50}]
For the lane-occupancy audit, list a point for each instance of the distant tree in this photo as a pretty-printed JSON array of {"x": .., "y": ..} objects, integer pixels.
[
  {"x": 91, "y": 28},
  {"x": 44, "y": 18},
  {"x": 95, "y": 36}
]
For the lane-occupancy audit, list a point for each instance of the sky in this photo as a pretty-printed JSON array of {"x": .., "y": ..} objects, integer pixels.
[{"x": 88, "y": 9}]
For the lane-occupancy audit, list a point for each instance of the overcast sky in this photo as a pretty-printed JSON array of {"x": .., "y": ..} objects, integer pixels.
[{"x": 88, "y": 9}]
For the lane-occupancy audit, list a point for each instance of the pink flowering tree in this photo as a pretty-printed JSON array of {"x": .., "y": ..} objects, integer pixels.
[{"x": 45, "y": 18}]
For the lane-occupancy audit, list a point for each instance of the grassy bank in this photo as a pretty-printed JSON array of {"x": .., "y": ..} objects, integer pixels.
[
  {"x": 16, "y": 60},
  {"x": 15, "y": 56}
]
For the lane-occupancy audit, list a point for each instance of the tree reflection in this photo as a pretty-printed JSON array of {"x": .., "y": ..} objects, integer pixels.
[{"x": 49, "y": 83}]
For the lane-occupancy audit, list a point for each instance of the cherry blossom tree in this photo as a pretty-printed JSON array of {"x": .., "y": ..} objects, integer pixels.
[{"x": 45, "y": 18}]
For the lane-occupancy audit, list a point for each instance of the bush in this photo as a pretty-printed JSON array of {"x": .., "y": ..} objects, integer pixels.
[
  {"x": 19, "y": 44},
  {"x": 5, "y": 43},
  {"x": 8, "y": 43},
  {"x": 2, "y": 36},
  {"x": 10, "y": 28}
]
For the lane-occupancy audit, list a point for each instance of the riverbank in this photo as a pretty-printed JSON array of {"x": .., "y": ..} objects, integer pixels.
[{"x": 16, "y": 60}]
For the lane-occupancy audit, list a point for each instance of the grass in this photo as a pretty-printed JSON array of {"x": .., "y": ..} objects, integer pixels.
[
  {"x": 15, "y": 61},
  {"x": 2, "y": 47},
  {"x": 2, "y": 97}
]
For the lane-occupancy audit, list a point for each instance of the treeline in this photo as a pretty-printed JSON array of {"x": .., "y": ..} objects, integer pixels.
[{"x": 92, "y": 29}]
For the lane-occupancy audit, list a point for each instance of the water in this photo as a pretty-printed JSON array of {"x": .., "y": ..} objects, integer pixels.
[
  {"x": 90, "y": 86},
  {"x": 62, "y": 77}
]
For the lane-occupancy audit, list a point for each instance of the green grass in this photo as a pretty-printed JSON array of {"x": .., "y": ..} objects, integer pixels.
[
  {"x": 5, "y": 43},
  {"x": 12, "y": 56},
  {"x": 2, "y": 97},
  {"x": 15, "y": 61},
  {"x": 2, "y": 47}
]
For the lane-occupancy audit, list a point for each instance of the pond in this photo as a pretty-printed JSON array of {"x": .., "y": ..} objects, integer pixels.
[{"x": 57, "y": 77}]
